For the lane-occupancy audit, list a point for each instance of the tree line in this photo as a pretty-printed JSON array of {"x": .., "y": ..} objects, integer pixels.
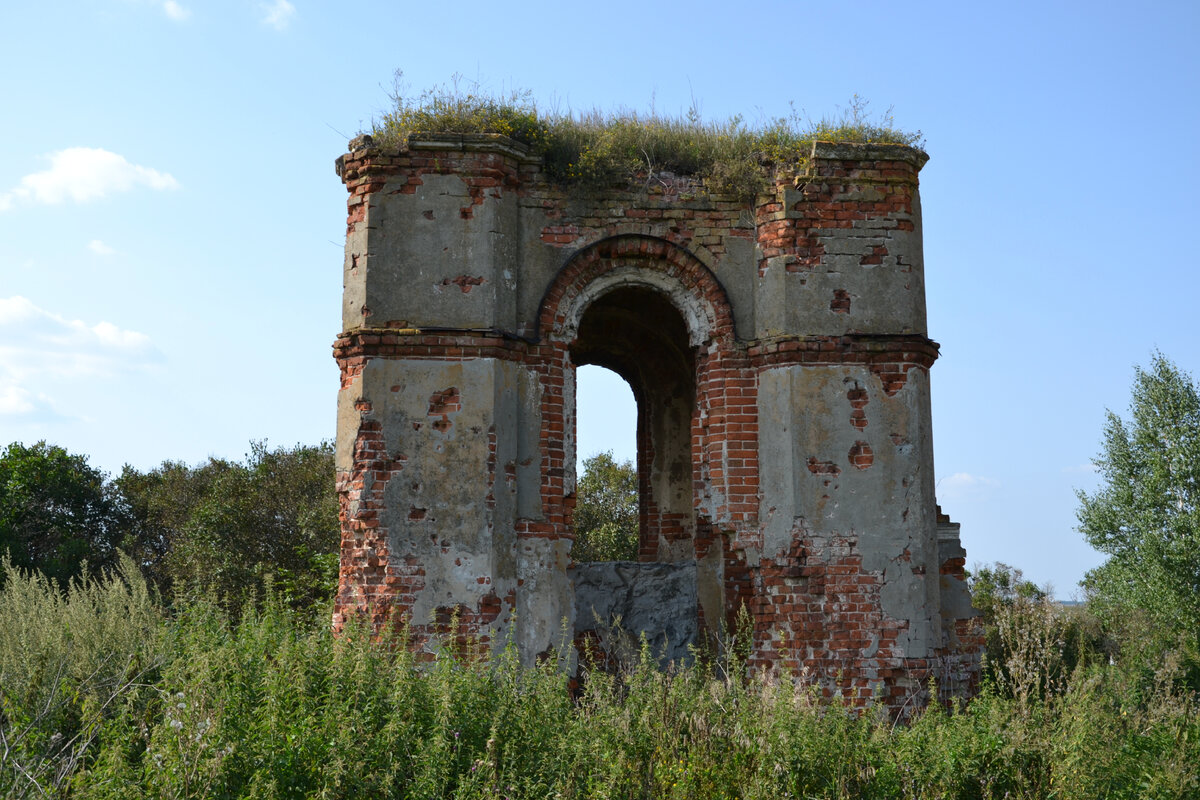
[{"x": 226, "y": 526}]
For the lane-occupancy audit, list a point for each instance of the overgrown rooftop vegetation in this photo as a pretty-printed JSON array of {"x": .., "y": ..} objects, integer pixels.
[{"x": 598, "y": 148}]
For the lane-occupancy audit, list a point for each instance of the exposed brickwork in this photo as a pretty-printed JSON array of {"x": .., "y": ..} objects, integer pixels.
[
  {"x": 354, "y": 348},
  {"x": 642, "y": 252},
  {"x": 861, "y": 455},
  {"x": 441, "y": 405},
  {"x": 464, "y": 282},
  {"x": 858, "y": 398},
  {"x": 842, "y": 238},
  {"x": 370, "y": 579}
]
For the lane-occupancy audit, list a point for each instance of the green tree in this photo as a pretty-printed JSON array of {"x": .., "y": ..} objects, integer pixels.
[
  {"x": 160, "y": 503},
  {"x": 231, "y": 527},
  {"x": 998, "y": 585},
  {"x": 56, "y": 512},
  {"x": 606, "y": 511},
  {"x": 1146, "y": 514}
]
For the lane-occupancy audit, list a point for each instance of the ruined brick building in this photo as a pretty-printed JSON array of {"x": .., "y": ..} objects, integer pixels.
[{"x": 780, "y": 361}]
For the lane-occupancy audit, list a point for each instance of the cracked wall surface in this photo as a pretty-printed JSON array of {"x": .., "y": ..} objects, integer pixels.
[{"x": 779, "y": 356}]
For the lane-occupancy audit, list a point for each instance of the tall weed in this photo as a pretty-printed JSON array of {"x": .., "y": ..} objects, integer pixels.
[
  {"x": 275, "y": 706},
  {"x": 70, "y": 660}
]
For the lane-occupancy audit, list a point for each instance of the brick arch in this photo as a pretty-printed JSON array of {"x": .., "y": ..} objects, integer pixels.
[{"x": 636, "y": 261}]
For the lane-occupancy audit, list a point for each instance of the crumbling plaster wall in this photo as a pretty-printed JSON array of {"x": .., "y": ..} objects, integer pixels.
[{"x": 467, "y": 278}]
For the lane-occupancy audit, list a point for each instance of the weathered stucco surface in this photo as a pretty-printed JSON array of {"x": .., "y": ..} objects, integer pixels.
[{"x": 779, "y": 355}]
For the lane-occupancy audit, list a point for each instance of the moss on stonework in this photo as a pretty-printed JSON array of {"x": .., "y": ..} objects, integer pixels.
[{"x": 598, "y": 148}]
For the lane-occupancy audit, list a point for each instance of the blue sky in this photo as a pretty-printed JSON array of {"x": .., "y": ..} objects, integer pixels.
[{"x": 171, "y": 224}]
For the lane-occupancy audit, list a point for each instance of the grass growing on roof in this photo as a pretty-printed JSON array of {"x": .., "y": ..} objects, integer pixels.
[{"x": 601, "y": 148}]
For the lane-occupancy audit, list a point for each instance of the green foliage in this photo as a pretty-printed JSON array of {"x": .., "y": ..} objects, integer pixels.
[
  {"x": 103, "y": 694},
  {"x": 1032, "y": 643},
  {"x": 606, "y": 511},
  {"x": 597, "y": 148},
  {"x": 1146, "y": 515},
  {"x": 56, "y": 512},
  {"x": 273, "y": 705},
  {"x": 998, "y": 585},
  {"x": 234, "y": 527},
  {"x": 160, "y": 502},
  {"x": 71, "y": 664},
  {"x": 222, "y": 525},
  {"x": 995, "y": 589}
]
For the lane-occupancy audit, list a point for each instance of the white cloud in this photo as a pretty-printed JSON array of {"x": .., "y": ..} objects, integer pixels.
[
  {"x": 16, "y": 309},
  {"x": 30, "y": 410},
  {"x": 965, "y": 479},
  {"x": 39, "y": 348},
  {"x": 82, "y": 174},
  {"x": 963, "y": 486},
  {"x": 100, "y": 248},
  {"x": 15, "y": 400},
  {"x": 110, "y": 335},
  {"x": 26, "y": 408},
  {"x": 176, "y": 11},
  {"x": 279, "y": 14}
]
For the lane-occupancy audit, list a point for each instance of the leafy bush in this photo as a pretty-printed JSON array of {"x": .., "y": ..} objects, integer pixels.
[
  {"x": 1032, "y": 644},
  {"x": 599, "y": 148}
]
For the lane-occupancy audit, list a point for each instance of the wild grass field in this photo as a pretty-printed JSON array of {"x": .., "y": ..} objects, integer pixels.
[{"x": 107, "y": 693}]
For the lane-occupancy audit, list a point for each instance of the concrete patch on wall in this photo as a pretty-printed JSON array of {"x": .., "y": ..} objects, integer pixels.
[{"x": 621, "y": 601}]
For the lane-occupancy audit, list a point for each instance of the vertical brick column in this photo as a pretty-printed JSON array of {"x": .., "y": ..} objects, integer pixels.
[
  {"x": 845, "y": 586},
  {"x": 432, "y": 388}
]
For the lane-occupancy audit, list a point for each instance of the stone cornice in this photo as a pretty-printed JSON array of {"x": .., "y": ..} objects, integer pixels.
[
  {"x": 854, "y": 348},
  {"x": 428, "y": 343},
  {"x": 854, "y": 151}
]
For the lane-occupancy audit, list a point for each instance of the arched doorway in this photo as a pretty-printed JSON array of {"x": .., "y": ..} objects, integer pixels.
[
  {"x": 637, "y": 333},
  {"x": 651, "y": 312}
]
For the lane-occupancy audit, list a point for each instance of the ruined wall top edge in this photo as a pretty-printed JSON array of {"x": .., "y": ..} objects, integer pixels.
[{"x": 504, "y": 145}]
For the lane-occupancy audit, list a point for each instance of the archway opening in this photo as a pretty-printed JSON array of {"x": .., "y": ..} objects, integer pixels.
[{"x": 638, "y": 334}]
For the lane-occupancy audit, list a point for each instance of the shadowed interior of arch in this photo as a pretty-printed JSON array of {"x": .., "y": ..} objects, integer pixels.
[{"x": 638, "y": 334}]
